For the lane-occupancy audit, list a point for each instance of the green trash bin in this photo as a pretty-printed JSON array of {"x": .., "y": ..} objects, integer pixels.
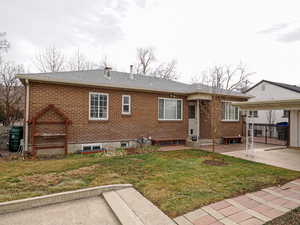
[{"x": 15, "y": 136}]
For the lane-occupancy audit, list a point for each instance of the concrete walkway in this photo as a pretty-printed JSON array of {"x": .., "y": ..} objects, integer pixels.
[
  {"x": 285, "y": 158},
  {"x": 84, "y": 211},
  {"x": 221, "y": 148},
  {"x": 249, "y": 209}
]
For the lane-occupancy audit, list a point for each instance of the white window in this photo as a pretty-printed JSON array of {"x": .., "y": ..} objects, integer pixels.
[
  {"x": 98, "y": 106},
  {"x": 126, "y": 104},
  {"x": 169, "y": 109},
  {"x": 92, "y": 147},
  {"x": 230, "y": 113},
  {"x": 124, "y": 144},
  {"x": 253, "y": 114}
]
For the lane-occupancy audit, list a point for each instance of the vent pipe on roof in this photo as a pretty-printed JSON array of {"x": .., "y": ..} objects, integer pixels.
[
  {"x": 107, "y": 72},
  {"x": 131, "y": 72}
]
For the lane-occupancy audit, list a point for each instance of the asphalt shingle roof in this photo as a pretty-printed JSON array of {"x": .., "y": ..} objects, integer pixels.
[
  {"x": 122, "y": 80},
  {"x": 286, "y": 86}
]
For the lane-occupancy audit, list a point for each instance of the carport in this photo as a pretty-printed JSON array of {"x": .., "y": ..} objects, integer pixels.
[
  {"x": 288, "y": 158},
  {"x": 292, "y": 105}
]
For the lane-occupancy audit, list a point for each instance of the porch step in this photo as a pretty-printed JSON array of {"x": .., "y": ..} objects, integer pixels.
[
  {"x": 133, "y": 208},
  {"x": 125, "y": 215}
]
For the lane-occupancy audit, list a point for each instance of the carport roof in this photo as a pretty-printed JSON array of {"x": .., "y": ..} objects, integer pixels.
[{"x": 286, "y": 104}]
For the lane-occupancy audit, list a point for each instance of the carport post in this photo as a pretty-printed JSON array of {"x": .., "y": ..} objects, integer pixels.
[
  {"x": 247, "y": 130},
  {"x": 252, "y": 137}
]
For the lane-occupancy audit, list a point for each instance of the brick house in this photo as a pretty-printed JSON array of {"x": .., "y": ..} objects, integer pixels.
[{"x": 112, "y": 109}]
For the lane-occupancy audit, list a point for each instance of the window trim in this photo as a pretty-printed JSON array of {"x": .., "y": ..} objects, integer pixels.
[
  {"x": 254, "y": 114},
  {"x": 107, "y": 107},
  {"x": 230, "y": 120},
  {"x": 129, "y": 104},
  {"x": 180, "y": 99},
  {"x": 92, "y": 145}
]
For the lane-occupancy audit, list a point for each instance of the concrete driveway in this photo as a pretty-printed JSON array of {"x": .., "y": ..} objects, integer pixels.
[{"x": 285, "y": 158}]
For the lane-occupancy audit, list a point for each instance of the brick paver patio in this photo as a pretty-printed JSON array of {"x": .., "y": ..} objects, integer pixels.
[{"x": 249, "y": 209}]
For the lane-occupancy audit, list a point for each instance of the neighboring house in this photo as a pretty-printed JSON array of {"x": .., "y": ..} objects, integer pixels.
[
  {"x": 265, "y": 91},
  {"x": 276, "y": 96},
  {"x": 268, "y": 90},
  {"x": 112, "y": 109}
]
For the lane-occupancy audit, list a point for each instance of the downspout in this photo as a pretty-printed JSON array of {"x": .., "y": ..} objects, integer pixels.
[{"x": 26, "y": 115}]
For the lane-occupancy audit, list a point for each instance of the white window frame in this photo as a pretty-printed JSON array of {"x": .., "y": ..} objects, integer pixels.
[
  {"x": 230, "y": 120},
  {"x": 107, "y": 108},
  {"x": 253, "y": 114},
  {"x": 129, "y": 104},
  {"x": 165, "y": 109},
  {"x": 124, "y": 142},
  {"x": 92, "y": 145}
]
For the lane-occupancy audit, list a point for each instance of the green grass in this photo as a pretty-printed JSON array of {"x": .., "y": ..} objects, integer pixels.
[
  {"x": 177, "y": 182},
  {"x": 290, "y": 218}
]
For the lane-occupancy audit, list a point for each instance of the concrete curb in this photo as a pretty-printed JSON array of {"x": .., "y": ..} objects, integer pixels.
[{"x": 28, "y": 203}]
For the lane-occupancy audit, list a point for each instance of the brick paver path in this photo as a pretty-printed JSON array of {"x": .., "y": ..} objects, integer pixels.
[{"x": 249, "y": 209}]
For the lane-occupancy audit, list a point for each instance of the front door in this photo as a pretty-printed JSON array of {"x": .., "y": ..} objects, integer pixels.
[{"x": 192, "y": 119}]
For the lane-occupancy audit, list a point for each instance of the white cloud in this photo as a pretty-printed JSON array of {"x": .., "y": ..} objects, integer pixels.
[{"x": 262, "y": 34}]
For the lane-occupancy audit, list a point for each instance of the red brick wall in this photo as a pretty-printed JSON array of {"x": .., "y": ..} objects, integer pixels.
[
  {"x": 74, "y": 102},
  {"x": 223, "y": 128}
]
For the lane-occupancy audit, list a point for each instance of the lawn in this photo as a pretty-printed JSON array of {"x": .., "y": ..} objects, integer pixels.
[{"x": 177, "y": 182}]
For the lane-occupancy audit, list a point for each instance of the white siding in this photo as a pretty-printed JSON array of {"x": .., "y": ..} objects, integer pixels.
[
  {"x": 295, "y": 128},
  {"x": 271, "y": 92}
]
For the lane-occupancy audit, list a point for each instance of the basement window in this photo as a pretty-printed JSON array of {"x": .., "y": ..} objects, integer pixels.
[
  {"x": 124, "y": 144},
  {"x": 92, "y": 147}
]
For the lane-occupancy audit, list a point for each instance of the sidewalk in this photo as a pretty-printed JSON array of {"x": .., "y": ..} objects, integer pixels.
[{"x": 249, "y": 209}]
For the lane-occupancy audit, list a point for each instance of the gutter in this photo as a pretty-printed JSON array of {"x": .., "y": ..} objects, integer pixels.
[{"x": 26, "y": 115}]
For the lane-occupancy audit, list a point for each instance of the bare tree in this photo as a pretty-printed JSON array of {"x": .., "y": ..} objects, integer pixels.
[
  {"x": 145, "y": 58},
  {"x": 79, "y": 62},
  {"x": 225, "y": 77},
  {"x": 11, "y": 93},
  {"x": 147, "y": 64},
  {"x": 105, "y": 62},
  {"x": 219, "y": 79},
  {"x": 167, "y": 70},
  {"x": 50, "y": 59}
]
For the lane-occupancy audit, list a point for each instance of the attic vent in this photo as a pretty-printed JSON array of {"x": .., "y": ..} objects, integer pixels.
[
  {"x": 263, "y": 87},
  {"x": 107, "y": 72}
]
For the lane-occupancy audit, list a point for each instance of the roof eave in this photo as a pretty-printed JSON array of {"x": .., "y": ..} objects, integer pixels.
[{"x": 22, "y": 78}]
